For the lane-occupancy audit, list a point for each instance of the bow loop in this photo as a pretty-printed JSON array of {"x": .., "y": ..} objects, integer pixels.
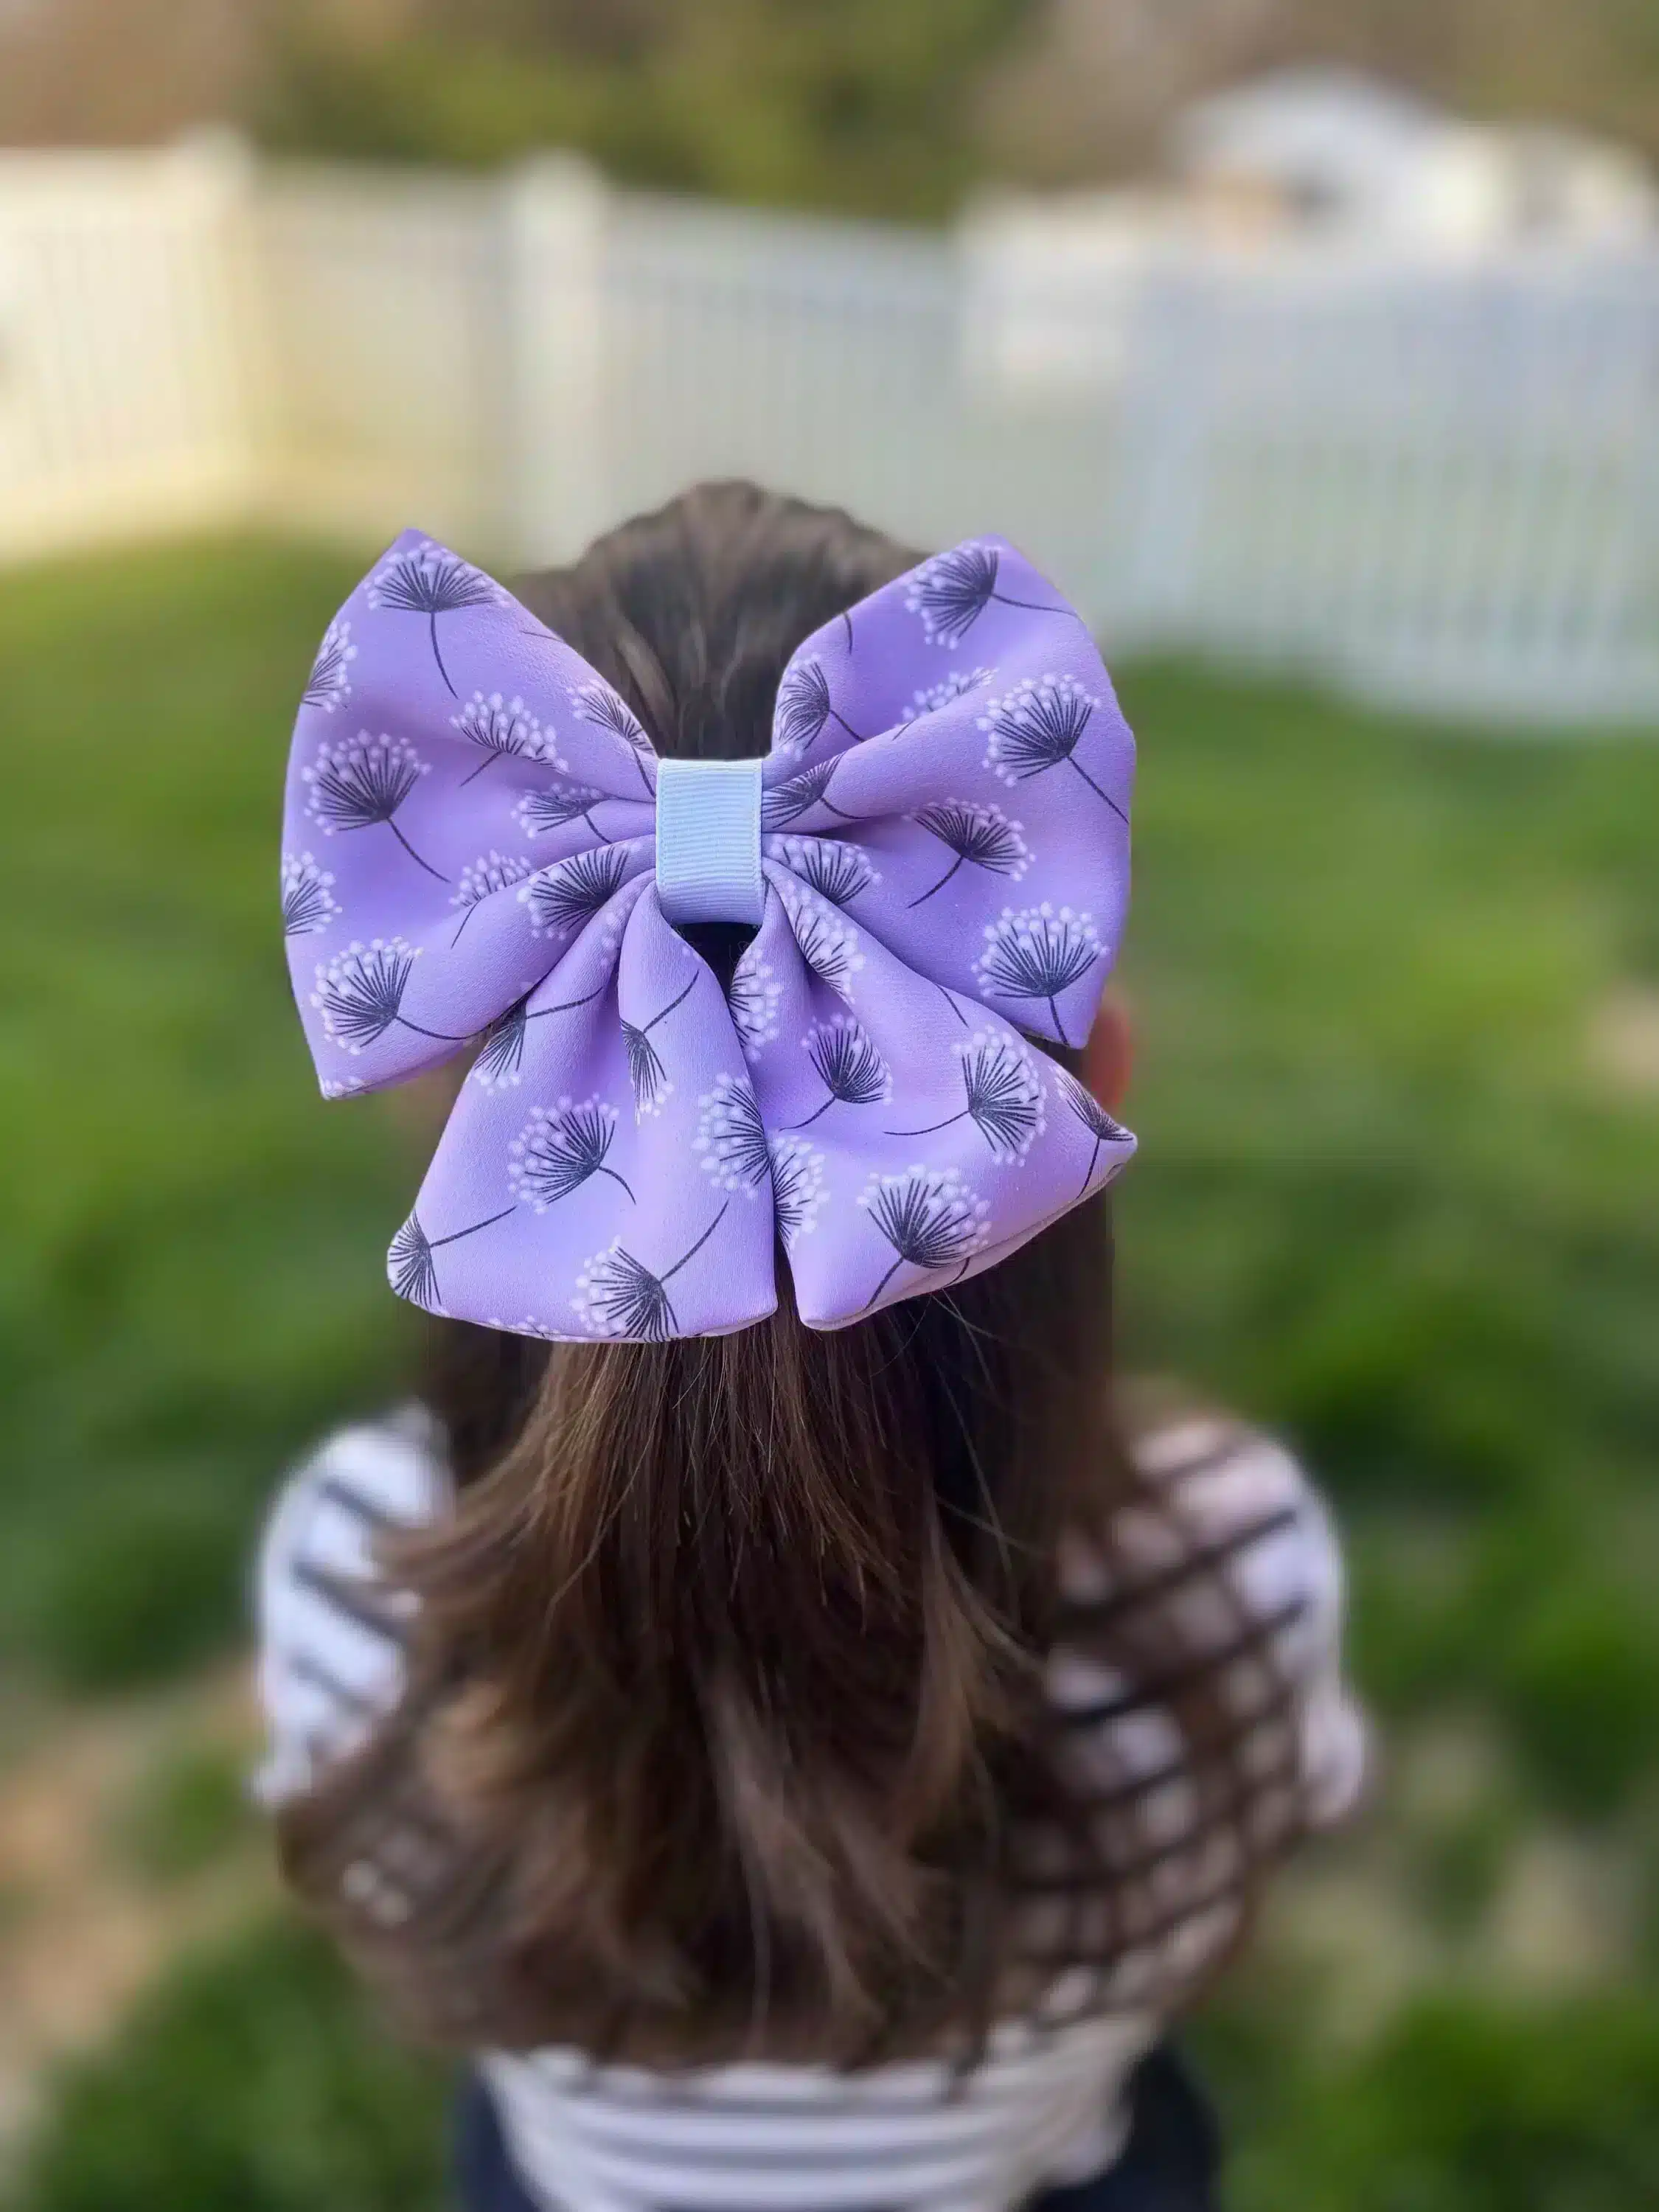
[
  {"x": 1009, "y": 772},
  {"x": 472, "y": 860}
]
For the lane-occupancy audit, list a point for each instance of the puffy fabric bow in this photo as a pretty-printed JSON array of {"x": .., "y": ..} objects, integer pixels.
[{"x": 470, "y": 859}]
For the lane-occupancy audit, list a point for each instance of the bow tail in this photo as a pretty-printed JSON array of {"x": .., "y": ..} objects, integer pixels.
[
  {"x": 592, "y": 1181},
  {"x": 944, "y": 1137}
]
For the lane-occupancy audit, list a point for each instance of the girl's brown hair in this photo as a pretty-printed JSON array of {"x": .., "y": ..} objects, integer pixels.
[{"x": 723, "y": 1712}]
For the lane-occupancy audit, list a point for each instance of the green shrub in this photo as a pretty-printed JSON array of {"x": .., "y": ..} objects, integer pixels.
[
  {"x": 139, "y": 1588},
  {"x": 1580, "y": 1684},
  {"x": 863, "y": 108},
  {"x": 249, "y": 2081},
  {"x": 1466, "y": 2107}
]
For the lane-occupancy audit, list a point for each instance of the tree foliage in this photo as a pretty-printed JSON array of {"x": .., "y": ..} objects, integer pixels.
[{"x": 860, "y": 106}]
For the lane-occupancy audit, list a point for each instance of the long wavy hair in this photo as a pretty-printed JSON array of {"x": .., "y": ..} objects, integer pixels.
[{"x": 723, "y": 1708}]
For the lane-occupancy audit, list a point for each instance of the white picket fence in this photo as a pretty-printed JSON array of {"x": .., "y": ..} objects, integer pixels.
[
  {"x": 127, "y": 365},
  {"x": 1437, "y": 482}
]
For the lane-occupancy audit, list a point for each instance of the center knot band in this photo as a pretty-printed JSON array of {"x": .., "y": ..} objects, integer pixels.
[{"x": 709, "y": 841}]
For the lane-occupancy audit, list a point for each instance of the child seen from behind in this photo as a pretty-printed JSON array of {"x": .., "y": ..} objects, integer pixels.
[{"x": 767, "y": 1704}]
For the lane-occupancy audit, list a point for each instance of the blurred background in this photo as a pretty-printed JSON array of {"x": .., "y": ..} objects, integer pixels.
[{"x": 1314, "y": 346}]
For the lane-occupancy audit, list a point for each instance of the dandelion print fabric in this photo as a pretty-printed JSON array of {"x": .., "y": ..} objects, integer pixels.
[{"x": 469, "y": 867}]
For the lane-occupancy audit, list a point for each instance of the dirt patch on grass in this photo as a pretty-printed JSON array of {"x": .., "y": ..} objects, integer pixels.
[
  {"x": 85, "y": 1919},
  {"x": 1624, "y": 1042}
]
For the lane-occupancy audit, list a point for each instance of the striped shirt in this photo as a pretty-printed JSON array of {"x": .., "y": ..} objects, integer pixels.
[{"x": 1229, "y": 1533}]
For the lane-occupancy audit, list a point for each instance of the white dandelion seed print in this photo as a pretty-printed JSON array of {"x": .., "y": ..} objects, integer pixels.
[
  {"x": 805, "y": 708},
  {"x": 603, "y": 709},
  {"x": 933, "y": 698},
  {"x": 930, "y": 1218},
  {"x": 360, "y": 991},
  {"x": 360, "y": 994},
  {"x": 731, "y": 1138},
  {"x": 1036, "y": 954},
  {"x": 836, "y": 871},
  {"x": 561, "y": 1148},
  {"x": 342, "y": 1086},
  {"x": 849, "y": 1065},
  {"x": 647, "y": 1069},
  {"x": 787, "y": 802},
  {"x": 410, "y": 1268},
  {"x": 526, "y": 1325},
  {"x": 359, "y": 783},
  {"x": 430, "y": 581},
  {"x": 1102, "y": 1127},
  {"x": 308, "y": 901},
  {"x": 799, "y": 1194},
  {"x": 412, "y": 1263},
  {"x": 1039, "y": 725},
  {"x": 617, "y": 1296},
  {"x": 492, "y": 871},
  {"x": 977, "y": 835},
  {"x": 614, "y": 918},
  {"x": 611, "y": 1281},
  {"x": 330, "y": 683},
  {"x": 952, "y": 591},
  {"x": 503, "y": 729},
  {"x": 828, "y": 943},
  {"x": 607, "y": 709},
  {"x": 753, "y": 999},
  {"x": 565, "y": 898},
  {"x": 1004, "y": 1092},
  {"x": 540, "y": 811},
  {"x": 500, "y": 1063}
]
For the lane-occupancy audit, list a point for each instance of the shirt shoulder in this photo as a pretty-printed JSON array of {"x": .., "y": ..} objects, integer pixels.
[
  {"x": 329, "y": 1635},
  {"x": 1229, "y": 1531}
]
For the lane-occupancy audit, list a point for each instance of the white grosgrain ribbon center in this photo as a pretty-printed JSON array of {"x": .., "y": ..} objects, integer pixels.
[{"x": 709, "y": 841}]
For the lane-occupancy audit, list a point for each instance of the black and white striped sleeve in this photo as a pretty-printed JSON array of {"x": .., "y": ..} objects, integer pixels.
[
  {"x": 331, "y": 1636},
  {"x": 1251, "y": 1509}
]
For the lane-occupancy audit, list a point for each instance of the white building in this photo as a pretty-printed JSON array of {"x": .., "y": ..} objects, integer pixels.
[
  {"x": 1330, "y": 150},
  {"x": 1320, "y": 147},
  {"x": 1326, "y": 169}
]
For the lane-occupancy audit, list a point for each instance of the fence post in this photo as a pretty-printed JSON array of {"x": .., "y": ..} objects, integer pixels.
[
  {"x": 1164, "y": 424},
  {"x": 554, "y": 484},
  {"x": 234, "y": 338}
]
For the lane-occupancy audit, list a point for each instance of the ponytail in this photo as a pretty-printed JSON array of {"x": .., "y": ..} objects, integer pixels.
[
  {"x": 723, "y": 1678},
  {"x": 712, "y": 1677}
]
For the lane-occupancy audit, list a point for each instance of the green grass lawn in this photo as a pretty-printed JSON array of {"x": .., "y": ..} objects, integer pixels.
[
  {"x": 1390, "y": 1198},
  {"x": 189, "y": 1280}
]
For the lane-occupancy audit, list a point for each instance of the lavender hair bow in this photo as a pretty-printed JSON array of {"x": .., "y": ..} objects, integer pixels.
[{"x": 471, "y": 857}]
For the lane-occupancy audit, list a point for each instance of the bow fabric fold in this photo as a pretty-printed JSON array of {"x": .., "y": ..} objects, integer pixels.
[{"x": 470, "y": 861}]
